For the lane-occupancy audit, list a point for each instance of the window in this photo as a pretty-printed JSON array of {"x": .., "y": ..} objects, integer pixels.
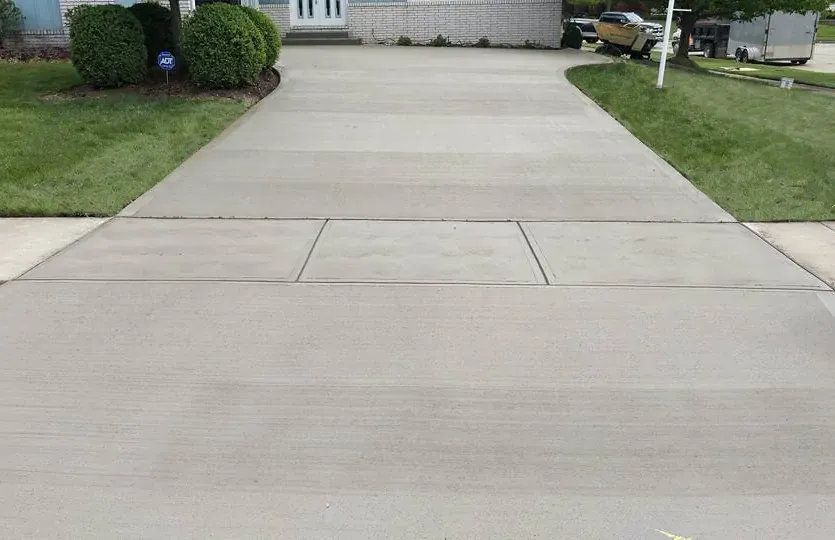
[{"x": 41, "y": 15}]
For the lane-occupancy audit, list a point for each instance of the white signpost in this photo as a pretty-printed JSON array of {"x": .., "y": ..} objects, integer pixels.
[{"x": 663, "y": 65}]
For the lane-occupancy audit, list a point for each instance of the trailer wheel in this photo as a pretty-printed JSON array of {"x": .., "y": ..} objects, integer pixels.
[
  {"x": 803, "y": 61},
  {"x": 743, "y": 56},
  {"x": 708, "y": 50}
]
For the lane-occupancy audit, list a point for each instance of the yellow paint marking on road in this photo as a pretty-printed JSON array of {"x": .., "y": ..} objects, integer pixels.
[{"x": 674, "y": 536}]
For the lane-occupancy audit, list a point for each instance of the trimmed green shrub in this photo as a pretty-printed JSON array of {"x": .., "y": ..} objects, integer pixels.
[
  {"x": 156, "y": 25},
  {"x": 10, "y": 19},
  {"x": 483, "y": 42},
  {"x": 572, "y": 37},
  {"x": 107, "y": 46},
  {"x": 404, "y": 41},
  {"x": 222, "y": 47},
  {"x": 272, "y": 41}
]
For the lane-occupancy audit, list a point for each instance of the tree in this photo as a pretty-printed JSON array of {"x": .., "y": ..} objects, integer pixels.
[
  {"x": 742, "y": 10},
  {"x": 10, "y": 19}
]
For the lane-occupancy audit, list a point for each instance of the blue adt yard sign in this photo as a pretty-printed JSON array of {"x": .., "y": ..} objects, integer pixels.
[{"x": 166, "y": 61}]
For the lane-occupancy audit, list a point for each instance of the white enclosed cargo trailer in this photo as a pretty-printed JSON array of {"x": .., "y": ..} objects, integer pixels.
[{"x": 778, "y": 37}]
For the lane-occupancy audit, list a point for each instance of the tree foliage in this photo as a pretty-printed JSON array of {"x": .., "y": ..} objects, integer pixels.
[{"x": 11, "y": 19}]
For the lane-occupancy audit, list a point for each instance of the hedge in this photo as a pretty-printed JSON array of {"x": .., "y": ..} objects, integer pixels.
[
  {"x": 272, "y": 41},
  {"x": 156, "y": 25},
  {"x": 107, "y": 46},
  {"x": 572, "y": 37},
  {"x": 222, "y": 47}
]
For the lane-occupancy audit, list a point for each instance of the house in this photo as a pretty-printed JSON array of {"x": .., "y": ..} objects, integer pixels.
[{"x": 503, "y": 22}]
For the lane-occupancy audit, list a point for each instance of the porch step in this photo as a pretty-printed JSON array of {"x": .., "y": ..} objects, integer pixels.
[{"x": 320, "y": 37}]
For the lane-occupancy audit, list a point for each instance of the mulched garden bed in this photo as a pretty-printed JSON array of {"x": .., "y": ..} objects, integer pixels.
[
  {"x": 179, "y": 86},
  {"x": 34, "y": 54}
]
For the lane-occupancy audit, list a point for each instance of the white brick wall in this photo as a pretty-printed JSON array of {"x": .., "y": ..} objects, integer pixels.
[
  {"x": 503, "y": 22},
  {"x": 280, "y": 15},
  {"x": 62, "y": 37}
]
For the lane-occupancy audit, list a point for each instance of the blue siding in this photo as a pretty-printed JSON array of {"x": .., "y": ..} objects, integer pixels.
[{"x": 40, "y": 14}]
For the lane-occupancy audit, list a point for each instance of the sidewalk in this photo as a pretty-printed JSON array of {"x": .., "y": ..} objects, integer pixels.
[
  {"x": 809, "y": 244},
  {"x": 25, "y": 242}
]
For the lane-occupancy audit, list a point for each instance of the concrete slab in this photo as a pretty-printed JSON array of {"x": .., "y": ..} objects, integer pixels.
[
  {"x": 823, "y": 59},
  {"x": 430, "y": 130},
  {"x": 381, "y": 133},
  {"x": 25, "y": 242},
  {"x": 671, "y": 254},
  {"x": 567, "y": 184},
  {"x": 155, "y": 249},
  {"x": 811, "y": 245},
  {"x": 195, "y": 409},
  {"x": 423, "y": 251}
]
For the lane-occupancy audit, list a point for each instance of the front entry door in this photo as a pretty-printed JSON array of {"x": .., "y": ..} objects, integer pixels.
[{"x": 317, "y": 13}]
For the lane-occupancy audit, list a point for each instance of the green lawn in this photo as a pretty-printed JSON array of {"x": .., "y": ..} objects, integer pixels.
[
  {"x": 762, "y": 71},
  {"x": 762, "y": 153},
  {"x": 91, "y": 156},
  {"x": 826, "y": 32},
  {"x": 772, "y": 72}
]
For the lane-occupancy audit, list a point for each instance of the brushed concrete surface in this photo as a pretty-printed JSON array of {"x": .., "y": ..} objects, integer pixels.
[
  {"x": 163, "y": 409},
  {"x": 423, "y": 251},
  {"x": 811, "y": 245},
  {"x": 25, "y": 242},
  {"x": 172, "y": 249},
  {"x": 335, "y": 411},
  {"x": 396, "y": 133},
  {"x": 672, "y": 254},
  {"x": 823, "y": 58}
]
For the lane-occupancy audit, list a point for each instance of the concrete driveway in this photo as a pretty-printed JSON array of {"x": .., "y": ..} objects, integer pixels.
[
  {"x": 479, "y": 309},
  {"x": 823, "y": 58}
]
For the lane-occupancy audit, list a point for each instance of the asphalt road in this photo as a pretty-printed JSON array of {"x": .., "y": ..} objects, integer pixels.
[{"x": 478, "y": 308}]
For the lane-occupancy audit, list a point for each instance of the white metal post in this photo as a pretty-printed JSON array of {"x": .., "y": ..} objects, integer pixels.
[{"x": 662, "y": 66}]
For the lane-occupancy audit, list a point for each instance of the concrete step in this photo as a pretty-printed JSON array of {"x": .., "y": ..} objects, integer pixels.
[
  {"x": 317, "y": 34},
  {"x": 321, "y": 41}
]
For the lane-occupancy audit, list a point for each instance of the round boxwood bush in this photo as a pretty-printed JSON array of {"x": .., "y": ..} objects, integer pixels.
[
  {"x": 572, "y": 37},
  {"x": 156, "y": 24},
  {"x": 222, "y": 47},
  {"x": 107, "y": 46},
  {"x": 272, "y": 41}
]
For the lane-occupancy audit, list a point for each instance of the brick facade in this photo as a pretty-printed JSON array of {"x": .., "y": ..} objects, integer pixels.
[
  {"x": 503, "y": 22},
  {"x": 280, "y": 15},
  {"x": 41, "y": 38}
]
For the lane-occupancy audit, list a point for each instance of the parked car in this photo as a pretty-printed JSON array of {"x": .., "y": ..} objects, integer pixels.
[{"x": 586, "y": 27}]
